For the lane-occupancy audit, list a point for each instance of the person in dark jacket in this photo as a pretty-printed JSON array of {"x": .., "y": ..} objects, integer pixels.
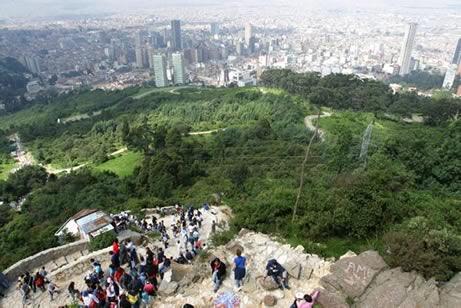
[
  {"x": 278, "y": 273},
  {"x": 218, "y": 270}
]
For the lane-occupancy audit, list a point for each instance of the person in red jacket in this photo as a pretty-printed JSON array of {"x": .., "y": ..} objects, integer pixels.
[{"x": 116, "y": 247}]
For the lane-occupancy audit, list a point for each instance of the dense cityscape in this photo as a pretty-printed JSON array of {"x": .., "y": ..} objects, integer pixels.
[{"x": 203, "y": 47}]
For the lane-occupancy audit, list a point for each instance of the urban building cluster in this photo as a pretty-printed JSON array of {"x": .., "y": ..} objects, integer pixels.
[{"x": 120, "y": 51}]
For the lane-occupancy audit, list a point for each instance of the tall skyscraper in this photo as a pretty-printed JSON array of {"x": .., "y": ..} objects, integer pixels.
[
  {"x": 31, "y": 63},
  {"x": 450, "y": 76},
  {"x": 140, "y": 50},
  {"x": 179, "y": 73},
  {"x": 214, "y": 28},
  {"x": 176, "y": 41},
  {"x": 160, "y": 70},
  {"x": 407, "y": 48},
  {"x": 457, "y": 54},
  {"x": 248, "y": 33}
]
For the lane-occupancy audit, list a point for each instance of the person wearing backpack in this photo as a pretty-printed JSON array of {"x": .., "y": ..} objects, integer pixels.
[
  {"x": 218, "y": 270},
  {"x": 278, "y": 273}
]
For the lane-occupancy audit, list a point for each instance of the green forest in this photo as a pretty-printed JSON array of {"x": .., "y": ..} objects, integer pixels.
[{"x": 401, "y": 198}]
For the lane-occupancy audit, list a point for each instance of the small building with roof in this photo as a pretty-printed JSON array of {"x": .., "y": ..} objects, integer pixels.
[{"x": 86, "y": 224}]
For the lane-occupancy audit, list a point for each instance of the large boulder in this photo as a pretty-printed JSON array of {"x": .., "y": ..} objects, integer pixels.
[
  {"x": 352, "y": 275},
  {"x": 167, "y": 288},
  {"x": 329, "y": 299},
  {"x": 234, "y": 246},
  {"x": 450, "y": 293},
  {"x": 293, "y": 268},
  {"x": 267, "y": 283},
  {"x": 394, "y": 288}
]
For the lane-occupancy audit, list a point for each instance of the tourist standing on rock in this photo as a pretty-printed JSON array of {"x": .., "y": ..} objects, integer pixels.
[
  {"x": 24, "y": 288},
  {"x": 44, "y": 273},
  {"x": 114, "y": 259},
  {"x": 73, "y": 292},
  {"x": 239, "y": 267},
  {"x": 39, "y": 281},
  {"x": 305, "y": 300},
  {"x": 122, "y": 253},
  {"x": 218, "y": 270},
  {"x": 115, "y": 246},
  {"x": 52, "y": 289},
  {"x": 213, "y": 227},
  {"x": 278, "y": 273}
]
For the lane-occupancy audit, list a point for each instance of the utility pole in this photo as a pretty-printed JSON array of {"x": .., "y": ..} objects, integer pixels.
[{"x": 303, "y": 165}]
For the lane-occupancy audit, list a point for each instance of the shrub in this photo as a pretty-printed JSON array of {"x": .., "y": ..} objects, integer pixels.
[
  {"x": 419, "y": 246},
  {"x": 222, "y": 237},
  {"x": 102, "y": 241}
]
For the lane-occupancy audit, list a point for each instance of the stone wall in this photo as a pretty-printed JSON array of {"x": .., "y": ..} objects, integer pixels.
[{"x": 58, "y": 256}]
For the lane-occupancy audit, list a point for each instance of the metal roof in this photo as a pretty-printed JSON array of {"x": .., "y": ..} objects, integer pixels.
[{"x": 96, "y": 224}]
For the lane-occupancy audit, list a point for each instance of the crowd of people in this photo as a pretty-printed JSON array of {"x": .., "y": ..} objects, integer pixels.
[{"x": 132, "y": 279}]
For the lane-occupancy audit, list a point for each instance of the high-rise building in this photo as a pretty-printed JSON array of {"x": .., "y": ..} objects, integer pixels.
[
  {"x": 32, "y": 64},
  {"x": 160, "y": 70},
  {"x": 176, "y": 41},
  {"x": 214, "y": 28},
  {"x": 179, "y": 73},
  {"x": 248, "y": 33},
  {"x": 407, "y": 48},
  {"x": 457, "y": 54},
  {"x": 450, "y": 76}
]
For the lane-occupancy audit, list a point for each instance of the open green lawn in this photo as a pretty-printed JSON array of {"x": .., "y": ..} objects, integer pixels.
[
  {"x": 5, "y": 169},
  {"x": 358, "y": 122},
  {"x": 122, "y": 165}
]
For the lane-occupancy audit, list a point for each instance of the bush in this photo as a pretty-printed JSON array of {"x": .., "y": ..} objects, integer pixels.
[
  {"x": 420, "y": 246},
  {"x": 222, "y": 237},
  {"x": 102, "y": 241}
]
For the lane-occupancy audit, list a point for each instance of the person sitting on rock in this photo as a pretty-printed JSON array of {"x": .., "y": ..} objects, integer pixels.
[
  {"x": 305, "y": 300},
  {"x": 218, "y": 270},
  {"x": 278, "y": 273}
]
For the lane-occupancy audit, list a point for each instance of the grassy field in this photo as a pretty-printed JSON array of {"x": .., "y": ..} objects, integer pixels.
[
  {"x": 358, "y": 122},
  {"x": 5, "y": 169},
  {"x": 122, "y": 165}
]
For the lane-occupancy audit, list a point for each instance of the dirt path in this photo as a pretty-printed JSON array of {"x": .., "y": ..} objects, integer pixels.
[
  {"x": 309, "y": 125},
  {"x": 206, "y": 132}
]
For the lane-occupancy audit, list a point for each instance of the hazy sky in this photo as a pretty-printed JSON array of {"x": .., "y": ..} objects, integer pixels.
[{"x": 25, "y": 8}]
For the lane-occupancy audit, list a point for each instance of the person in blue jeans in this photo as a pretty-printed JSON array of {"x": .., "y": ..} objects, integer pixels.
[{"x": 239, "y": 267}]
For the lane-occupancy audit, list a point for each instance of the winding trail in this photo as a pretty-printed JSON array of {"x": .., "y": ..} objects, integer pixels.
[{"x": 310, "y": 126}]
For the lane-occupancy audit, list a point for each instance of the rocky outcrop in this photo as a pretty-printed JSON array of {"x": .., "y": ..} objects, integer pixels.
[
  {"x": 450, "y": 293},
  {"x": 352, "y": 275}
]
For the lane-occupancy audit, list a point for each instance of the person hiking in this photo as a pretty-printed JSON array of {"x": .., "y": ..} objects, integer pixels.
[
  {"x": 305, "y": 300},
  {"x": 116, "y": 247},
  {"x": 52, "y": 289},
  {"x": 239, "y": 267},
  {"x": 114, "y": 259},
  {"x": 218, "y": 270},
  {"x": 73, "y": 292},
  {"x": 278, "y": 273},
  {"x": 39, "y": 281}
]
